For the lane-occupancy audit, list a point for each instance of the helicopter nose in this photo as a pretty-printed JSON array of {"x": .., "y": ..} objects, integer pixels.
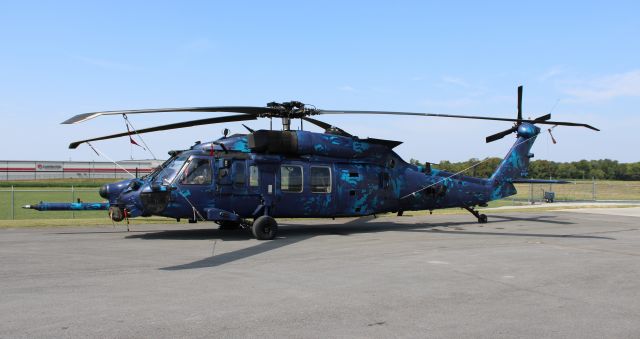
[{"x": 104, "y": 191}]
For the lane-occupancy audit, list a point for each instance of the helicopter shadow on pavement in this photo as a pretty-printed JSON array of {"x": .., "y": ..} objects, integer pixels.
[{"x": 291, "y": 234}]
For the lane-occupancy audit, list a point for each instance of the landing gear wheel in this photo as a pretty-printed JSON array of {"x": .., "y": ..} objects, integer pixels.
[
  {"x": 228, "y": 225},
  {"x": 264, "y": 228},
  {"x": 482, "y": 218}
]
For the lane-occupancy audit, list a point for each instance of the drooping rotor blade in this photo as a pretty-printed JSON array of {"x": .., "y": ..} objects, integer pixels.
[
  {"x": 520, "y": 103},
  {"x": 184, "y": 124},
  {"x": 563, "y": 123},
  {"x": 501, "y": 135},
  {"x": 231, "y": 109},
  {"x": 327, "y": 127},
  {"x": 251, "y": 130}
]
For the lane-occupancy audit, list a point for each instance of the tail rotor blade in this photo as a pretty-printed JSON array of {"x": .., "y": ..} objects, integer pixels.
[
  {"x": 542, "y": 118},
  {"x": 501, "y": 135},
  {"x": 519, "y": 103}
]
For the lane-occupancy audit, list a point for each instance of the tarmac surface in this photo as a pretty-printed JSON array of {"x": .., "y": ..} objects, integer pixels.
[{"x": 527, "y": 275}]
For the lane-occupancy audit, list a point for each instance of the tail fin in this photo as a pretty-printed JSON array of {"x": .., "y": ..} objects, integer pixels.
[{"x": 515, "y": 164}]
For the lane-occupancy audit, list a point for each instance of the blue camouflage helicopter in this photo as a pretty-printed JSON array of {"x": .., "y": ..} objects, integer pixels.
[{"x": 249, "y": 180}]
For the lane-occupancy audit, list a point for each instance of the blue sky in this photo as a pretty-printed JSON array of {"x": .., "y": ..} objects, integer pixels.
[{"x": 63, "y": 58}]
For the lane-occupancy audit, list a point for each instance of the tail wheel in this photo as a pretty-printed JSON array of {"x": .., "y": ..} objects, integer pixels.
[
  {"x": 264, "y": 228},
  {"x": 482, "y": 218}
]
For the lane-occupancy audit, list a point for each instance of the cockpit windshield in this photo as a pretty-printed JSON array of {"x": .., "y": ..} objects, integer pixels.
[
  {"x": 167, "y": 173},
  {"x": 158, "y": 169}
]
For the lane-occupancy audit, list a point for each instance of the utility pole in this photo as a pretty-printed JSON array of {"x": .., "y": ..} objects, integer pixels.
[
  {"x": 73, "y": 199},
  {"x": 13, "y": 194}
]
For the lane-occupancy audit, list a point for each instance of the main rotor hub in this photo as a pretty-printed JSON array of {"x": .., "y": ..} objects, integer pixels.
[
  {"x": 527, "y": 130},
  {"x": 288, "y": 110}
]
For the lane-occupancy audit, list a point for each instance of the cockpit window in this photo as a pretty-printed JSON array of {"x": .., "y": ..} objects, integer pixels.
[
  {"x": 196, "y": 172},
  {"x": 168, "y": 172},
  {"x": 158, "y": 169}
]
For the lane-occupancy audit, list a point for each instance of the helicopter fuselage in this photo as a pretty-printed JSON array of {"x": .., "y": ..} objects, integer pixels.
[{"x": 292, "y": 174}]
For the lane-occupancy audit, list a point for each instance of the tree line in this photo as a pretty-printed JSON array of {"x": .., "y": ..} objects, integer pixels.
[{"x": 604, "y": 169}]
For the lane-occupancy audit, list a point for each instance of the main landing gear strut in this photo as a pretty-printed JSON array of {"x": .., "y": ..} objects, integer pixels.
[{"x": 482, "y": 218}]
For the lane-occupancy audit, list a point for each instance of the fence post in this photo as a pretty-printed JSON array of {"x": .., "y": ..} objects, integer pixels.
[
  {"x": 13, "y": 195},
  {"x": 531, "y": 193},
  {"x": 73, "y": 199},
  {"x": 593, "y": 189}
]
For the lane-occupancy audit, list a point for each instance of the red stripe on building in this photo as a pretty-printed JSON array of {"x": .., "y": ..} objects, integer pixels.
[{"x": 17, "y": 169}]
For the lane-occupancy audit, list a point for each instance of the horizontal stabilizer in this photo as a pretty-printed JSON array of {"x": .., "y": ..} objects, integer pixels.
[{"x": 539, "y": 181}]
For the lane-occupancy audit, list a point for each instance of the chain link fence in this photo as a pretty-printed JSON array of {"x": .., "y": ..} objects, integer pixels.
[
  {"x": 579, "y": 191},
  {"x": 12, "y": 199}
]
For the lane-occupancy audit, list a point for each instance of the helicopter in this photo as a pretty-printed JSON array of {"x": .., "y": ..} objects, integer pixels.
[{"x": 248, "y": 180}]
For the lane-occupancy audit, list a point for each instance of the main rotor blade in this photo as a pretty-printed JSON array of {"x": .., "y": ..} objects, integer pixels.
[
  {"x": 232, "y": 109},
  {"x": 535, "y": 121},
  {"x": 184, "y": 124},
  {"x": 520, "y": 102},
  {"x": 415, "y": 114},
  {"x": 326, "y": 126}
]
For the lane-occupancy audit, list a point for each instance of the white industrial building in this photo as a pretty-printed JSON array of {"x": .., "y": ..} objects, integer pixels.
[{"x": 36, "y": 169}]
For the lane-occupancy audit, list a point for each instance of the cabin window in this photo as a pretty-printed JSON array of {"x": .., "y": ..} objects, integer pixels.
[
  {"x": 197, "y": 172},
  {"x": 238, "y": 174},
  {"x": 253, "y": 176},
  {"x": 291, "y": 178},
  {"x": 320, "y": 179}
]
